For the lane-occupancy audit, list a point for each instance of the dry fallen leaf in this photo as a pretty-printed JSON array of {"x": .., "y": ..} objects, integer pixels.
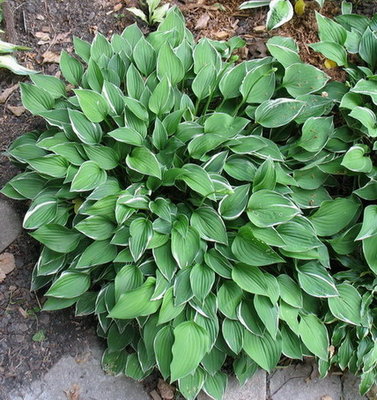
[
  {"x": 64, "y": 37},
  {"x": 16, "y": 110},
  {"x": 118, "y": 6},
  {"x": 7, "y": 265},
  {"x": 50, "y": 57},
  {"x": 7, "y": 92},
  {"x": 23, "y": 312},
  {"x": 42, "y": 35},
  {"x": 202, "y": 22},
  {"x": 166, "y": 390},
  {"x": 259, "y": 28},
  {"x": 73, "y": 393},
  {"x": 221, "y": 35}
]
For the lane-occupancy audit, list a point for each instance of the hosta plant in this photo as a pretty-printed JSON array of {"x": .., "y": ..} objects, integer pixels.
[
  {"x": 199, "y": 207},
  {"x": 151, "y": 12},
  {"x": 280, "y": 11},
  {"x": 9, "y": 62}
]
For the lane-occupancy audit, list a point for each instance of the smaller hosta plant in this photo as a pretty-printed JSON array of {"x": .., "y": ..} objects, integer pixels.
[
  {"x": 200, "y": 208},
  {"x": 150, "y": 11},
  {"x": 8, "y": 61},
  {"x": 280, "y": 11}
]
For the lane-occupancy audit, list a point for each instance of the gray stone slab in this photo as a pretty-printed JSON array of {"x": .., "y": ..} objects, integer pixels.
[
  {"x": 10, "y": 224},
  {"x": 253, "y": 389},
  {"x": 351, "y": 387},
  {"x": 299, "y": 383},
  {"x": 92, "y": 383}
]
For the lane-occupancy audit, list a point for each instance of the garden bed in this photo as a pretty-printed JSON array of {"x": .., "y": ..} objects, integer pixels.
[{"x": 47, "y": 28}]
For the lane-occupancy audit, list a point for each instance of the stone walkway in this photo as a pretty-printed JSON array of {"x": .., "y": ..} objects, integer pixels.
[
  {"x": 81, "y": 378},
  {"x": 84, "y": 378}
]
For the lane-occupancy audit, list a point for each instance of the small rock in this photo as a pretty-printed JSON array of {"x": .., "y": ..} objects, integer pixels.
[{"x": 10, "y": 225}]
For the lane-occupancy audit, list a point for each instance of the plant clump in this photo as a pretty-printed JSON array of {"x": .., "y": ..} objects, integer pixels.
[{"x": 210, "y": 213}]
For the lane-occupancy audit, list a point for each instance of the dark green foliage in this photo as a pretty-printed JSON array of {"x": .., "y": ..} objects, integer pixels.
[{"x": 206, "y": 211}]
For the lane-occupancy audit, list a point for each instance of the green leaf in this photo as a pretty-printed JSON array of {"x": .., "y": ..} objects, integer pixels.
[
  {"x": 356, "y": 160},
  {"x": 329, "y": 30},
  {"x": 233, "y": 334},
  {"x": 57, "y": 237},
  {"x": 278, "y": 112},
  {"x": 136, "y": 302},
  {"x": 162, "y": 345},
  {"x": 191, "y": 385},
  {"x": 96, "y": 227},
  {"x": 284, "y": 49},
  {"x": 259, "y": 84},
  {"x": 88, "y": 177},
  {"x": 368, "y": 47},
  {"x": 209, "y": 225},
  {"x": 370, "y": 252},
  {"x": 250, "y": 279},
  {"x": 314, "y": 335},
  {"x": 51, "y": 84},
  {"x": 41, "y": 212},
  {"x": 369, "y": 227},
  {"x": 185, "y": 242},
  {"x": 252, "y": 251},
  {"x": 332, "y": 50},
  {"x": 267, "y": 208},
  {"x": 215, "y": 385},
  {"x": 127, "y": 135},
  {"x": 290, "y": 292},
  {"x": 35, "y": 99},
  {"x": 144, "y": 56},
  {"x": 87, "y": 131},
  {"x": 141, "y": 231},
  {"x": 316, "y": 281},
  {"x": 281, "y": 11},
  {"x": 291, "y": 344},
  {"x": 229, "y": 296},
  {"x": 69, "y": 285},
  {"x": 169, "y": 65},
  {"x": 300, "y": 79},
  {"x": 316, "y": 131},
  {"x": 334, "y": 215},
  {"x": 97, "y": 253},
  {"x": 367, "y": 118},
  {"x": 161, "y": 100},
  {"x": 233, "y": 205},
  {"x": 264, "y": 350},
  {"x": 191, "y": 343},
  {"x": 202, "y": 279},
  {"x": 268, "y": 313},
  {"x": 71, "y": 68},
  {"x": 198, "y": 180},
  {"x": 347, "y": 305},
  {"x": 93, "y": 105},
  {"x": 100, "y": 47},
  {"x": 144, "y": 161}
]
